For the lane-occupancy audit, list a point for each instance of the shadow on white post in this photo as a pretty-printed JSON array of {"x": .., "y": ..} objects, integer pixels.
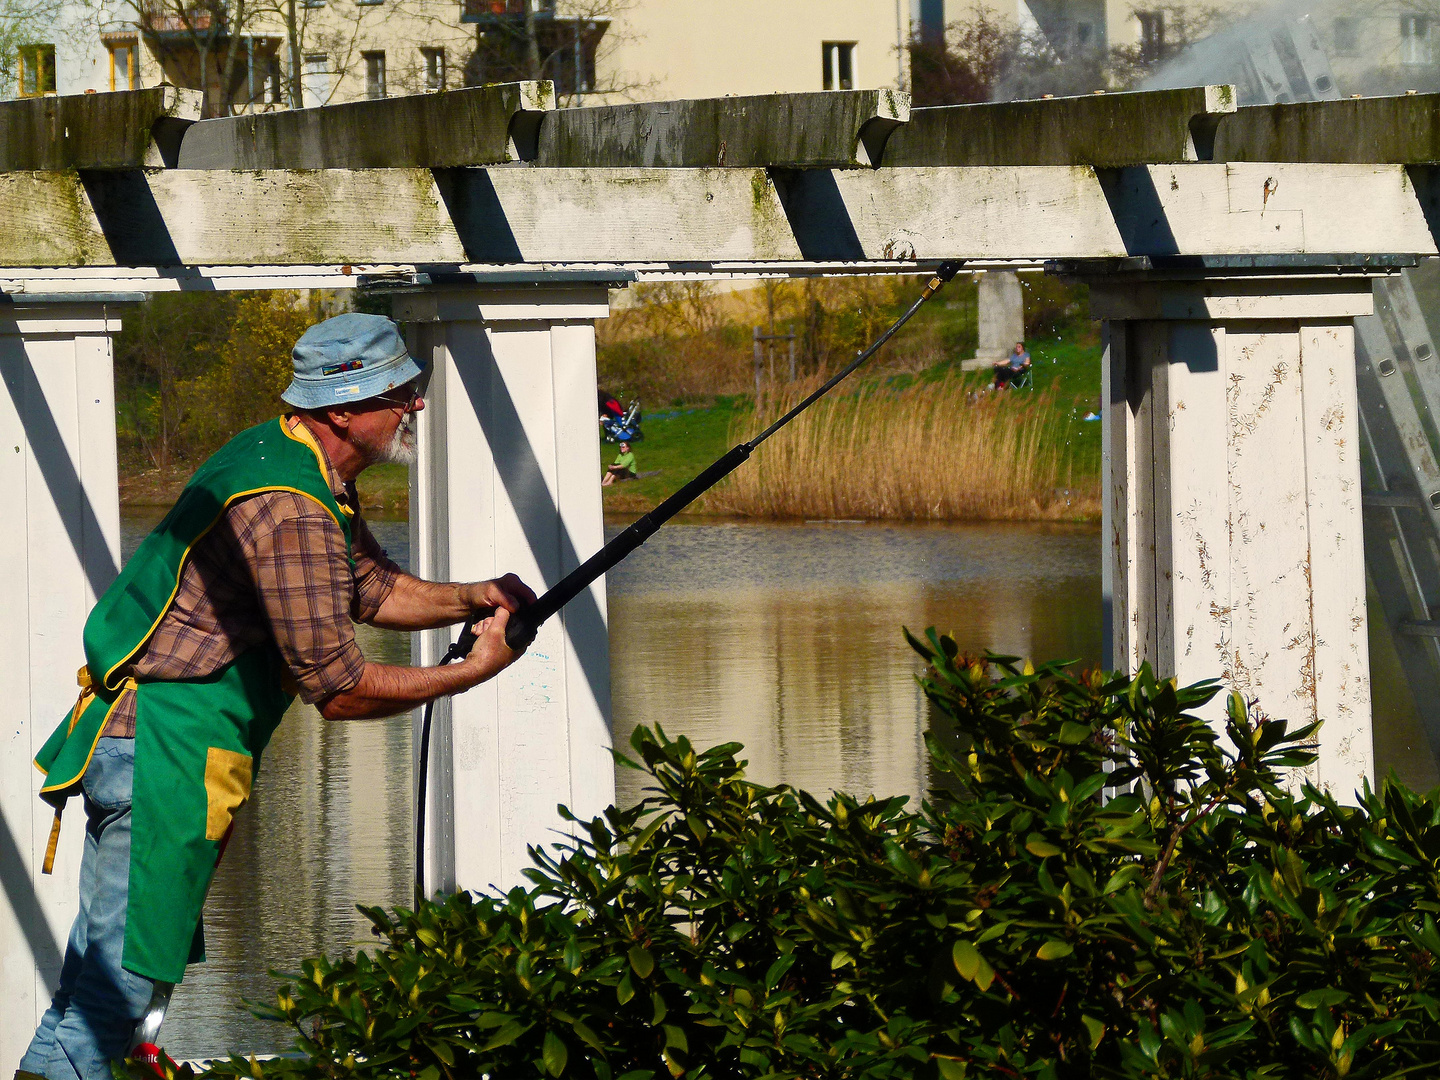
[
  {"x": 59, "y": 549},
  {"x": 508, "y": 479},
  {"x": 1234, "y": 544}
]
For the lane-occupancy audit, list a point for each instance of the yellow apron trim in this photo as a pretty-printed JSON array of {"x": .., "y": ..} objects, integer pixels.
[
  {"x": 128, "y": 686},
  {"x": 185, "y": 557},
  {"x": 87, "y": 695},
  {"x": 294, "y": 427},
  {"x": 227, "y": 788}
]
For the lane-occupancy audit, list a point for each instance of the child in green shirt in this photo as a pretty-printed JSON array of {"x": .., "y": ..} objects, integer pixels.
[{"x": 622, "y": 469}]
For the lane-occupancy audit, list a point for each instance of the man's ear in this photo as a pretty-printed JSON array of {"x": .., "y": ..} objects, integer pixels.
[{"x": 339, "y": 419}]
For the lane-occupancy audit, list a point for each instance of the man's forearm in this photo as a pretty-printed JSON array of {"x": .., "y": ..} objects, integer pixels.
[
  {"x": 386, "y": 689},
  {"x": 414, "y": 604}
]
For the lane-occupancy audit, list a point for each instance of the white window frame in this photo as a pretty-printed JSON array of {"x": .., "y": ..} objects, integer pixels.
[
  {"x": 436, "y": 68},
  {"x": 837, "y": 60},
  {"x": 375, "y": 88},
  {"x": 1416, "y": 39}
]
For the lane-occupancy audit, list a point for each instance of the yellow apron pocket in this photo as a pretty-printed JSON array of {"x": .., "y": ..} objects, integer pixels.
[{"x": 227, "y": 788}]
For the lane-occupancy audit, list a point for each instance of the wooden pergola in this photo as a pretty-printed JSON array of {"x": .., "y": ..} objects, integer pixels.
[{"x": 1229, "y": 252}]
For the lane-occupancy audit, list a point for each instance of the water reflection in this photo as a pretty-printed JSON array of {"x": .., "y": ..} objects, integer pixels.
[{"x": 786, "y": 638}]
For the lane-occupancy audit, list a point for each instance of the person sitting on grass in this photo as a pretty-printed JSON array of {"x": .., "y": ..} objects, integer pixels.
[
  {"x": 1012, "y": 367},
  {"x": 622, "y": 469}
]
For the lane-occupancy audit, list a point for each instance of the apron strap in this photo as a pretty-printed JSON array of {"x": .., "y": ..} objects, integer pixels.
[{"x": 49, "y": 864}]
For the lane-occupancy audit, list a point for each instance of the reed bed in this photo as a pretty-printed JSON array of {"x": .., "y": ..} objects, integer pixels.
[{"x": 930, "y": 452}]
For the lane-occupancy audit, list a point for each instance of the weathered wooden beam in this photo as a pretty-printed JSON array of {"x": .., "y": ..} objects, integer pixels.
[
  {"x": 1104, "y": 130},
  {"x": 1187, "y": 209},
  {"x": 182, "y": 217},
  {"x": 618, "y": 215},
  {"x": 830, "y": 129},
  {"x": 1388, "y": 130},
  {"x": 482, "y": 125},
  {"x": 697, "y": 217},
  {"x": 412, "y": 216},
  {"x": 48, "y": 221},
  {"x": 123, "y": 130},
  {"x": 918, "y": 213},
  {"x": 1258, "y": 208}
]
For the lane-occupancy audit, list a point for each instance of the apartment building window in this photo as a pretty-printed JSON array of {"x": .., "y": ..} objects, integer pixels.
[
  {"x": 434, "y": 68},
  {"x": 1152, "y": 35},
  {"x": 374, "y": 74},
  {"x": 1084, "y": 35},
  {"x": 839, "y": 58},
  {"x": 123, "y": 73},
  {"x": 1347, "y": 36},
  {"x": 315, "y": 80},
  {"x": 37, "y": 70},
  {"x": 1415, "y": 39}
]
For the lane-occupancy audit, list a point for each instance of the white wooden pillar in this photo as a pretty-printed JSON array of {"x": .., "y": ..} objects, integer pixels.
[
  {"x": 509, "y": 480},
  {"x": 59, "y": 549},
  {"x": 1232, "y": 497}
]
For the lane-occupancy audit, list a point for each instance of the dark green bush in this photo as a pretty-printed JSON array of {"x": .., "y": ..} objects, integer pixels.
[{"x": 1116, "y": 891}]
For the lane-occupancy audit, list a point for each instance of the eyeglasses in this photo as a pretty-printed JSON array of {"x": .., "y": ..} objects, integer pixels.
[{"x": 405, "y": 397}]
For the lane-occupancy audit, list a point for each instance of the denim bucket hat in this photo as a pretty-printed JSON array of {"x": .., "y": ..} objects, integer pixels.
[{"x": 346, "y": 359}]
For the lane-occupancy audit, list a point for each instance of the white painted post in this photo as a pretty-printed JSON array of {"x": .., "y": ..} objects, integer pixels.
[
  {"x": 60, "y": 548},
  {"x": 509, "y": 480},
  {"x": 1232, "y": 497}
]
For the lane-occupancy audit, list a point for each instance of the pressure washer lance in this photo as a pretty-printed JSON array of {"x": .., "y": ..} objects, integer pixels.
[
  {"x": 524, "y": 623},
  {"x": 144, "y": 1046}
]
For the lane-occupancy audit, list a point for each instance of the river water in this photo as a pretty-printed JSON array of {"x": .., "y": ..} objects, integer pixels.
[{"x": 784, "y": 637}]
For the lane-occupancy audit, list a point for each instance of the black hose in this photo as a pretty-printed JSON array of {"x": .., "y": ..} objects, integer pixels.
[{"x": 455, "y": 652}]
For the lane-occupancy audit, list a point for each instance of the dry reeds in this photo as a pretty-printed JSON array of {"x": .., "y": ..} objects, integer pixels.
[{"x": 932, "y": 451}]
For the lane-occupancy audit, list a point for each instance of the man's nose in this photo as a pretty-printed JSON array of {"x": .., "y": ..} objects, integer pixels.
[{"x": 419, "y": 404}]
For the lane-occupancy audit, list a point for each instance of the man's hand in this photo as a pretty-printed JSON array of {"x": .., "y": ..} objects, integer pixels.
[
  {"x": 385, "y": 689},
  {"x": 508, "y": 594},
  {"x": 490, "y": 655},
  {"x": 423, "y": 605}
]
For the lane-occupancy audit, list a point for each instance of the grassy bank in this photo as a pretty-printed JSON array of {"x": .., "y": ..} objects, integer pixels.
[
  {"x": 1057, "y": 480},
  {"x": 939, "y": 450}
]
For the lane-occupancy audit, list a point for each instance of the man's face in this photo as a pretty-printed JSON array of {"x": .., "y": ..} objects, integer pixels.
[
  {"x": 383, "y": 428},
  {"x": 624, "y": 447}
]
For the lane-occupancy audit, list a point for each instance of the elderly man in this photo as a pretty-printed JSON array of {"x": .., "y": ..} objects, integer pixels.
[{"x": 241, "y": 598}]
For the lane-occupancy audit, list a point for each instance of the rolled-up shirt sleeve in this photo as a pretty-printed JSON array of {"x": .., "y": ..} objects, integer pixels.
[
  {"x": 306, "y": 587},
  {"x": 374, "y": 573}
]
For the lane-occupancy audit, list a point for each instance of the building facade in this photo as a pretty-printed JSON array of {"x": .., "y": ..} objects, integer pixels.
[{"x": 317, "y": 52}]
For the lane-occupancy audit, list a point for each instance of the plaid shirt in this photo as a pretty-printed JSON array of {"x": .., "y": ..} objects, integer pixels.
[{"x": 273, "y": 568}]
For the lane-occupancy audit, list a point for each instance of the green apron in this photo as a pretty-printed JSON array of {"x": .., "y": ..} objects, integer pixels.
[{"x": 197, "y": 741}]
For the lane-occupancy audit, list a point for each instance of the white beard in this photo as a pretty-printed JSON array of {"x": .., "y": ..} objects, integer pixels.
[{"x": 401, "y": 448}]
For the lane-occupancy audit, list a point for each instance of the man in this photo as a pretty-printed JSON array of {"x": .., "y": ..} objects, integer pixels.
[
  {"x": 242, "y": 597},
  {"x": 623, "y": 468},
  {"x": 1010, "y": 370}
]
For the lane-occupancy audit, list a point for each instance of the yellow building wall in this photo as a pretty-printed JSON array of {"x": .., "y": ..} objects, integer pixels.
[{"x": 673, "y": 49}]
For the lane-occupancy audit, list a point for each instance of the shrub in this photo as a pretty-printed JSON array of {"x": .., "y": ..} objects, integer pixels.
[{"x": 1113, "y": 890}]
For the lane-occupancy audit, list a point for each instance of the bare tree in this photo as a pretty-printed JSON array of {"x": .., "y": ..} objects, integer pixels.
[{"x": 566, "y": 41}]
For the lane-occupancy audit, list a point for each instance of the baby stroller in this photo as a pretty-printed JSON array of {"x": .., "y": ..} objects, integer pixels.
[{"x": 619, "y": 425}]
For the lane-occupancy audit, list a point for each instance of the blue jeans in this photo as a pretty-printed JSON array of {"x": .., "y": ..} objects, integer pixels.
[{"x": 95, "y": 1010}]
